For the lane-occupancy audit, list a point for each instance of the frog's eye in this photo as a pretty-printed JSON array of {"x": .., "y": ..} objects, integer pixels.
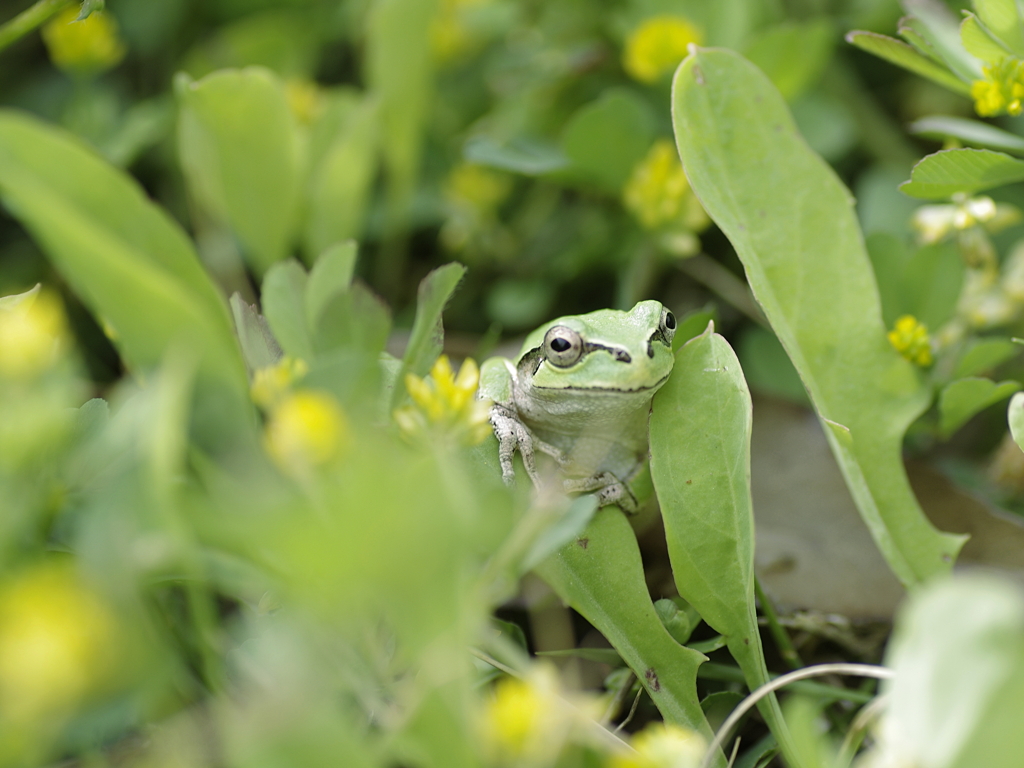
[
  {"x": 668, "y": 325},
  {"x": 562, "y": 346}
]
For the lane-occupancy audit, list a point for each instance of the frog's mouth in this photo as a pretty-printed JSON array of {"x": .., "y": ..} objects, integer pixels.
[{"x": 612, "y": 390}]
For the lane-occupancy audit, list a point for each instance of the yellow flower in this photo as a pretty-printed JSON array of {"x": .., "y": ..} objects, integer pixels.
[
  {"x": 910, "y": 339},
  {"x": 658, "y": 193},
  {"x": 447, "y": 403},
  {"x": 55, "y": 643},
  {"x": 657, "y": 46},
  {"x": 450, "y": 38},
  {"x": 662, "y": 746},
  {"x": 479, "y": 187},
  {"x": 270, "y": 384},
  {"x": 1001, "y": 90},
  {"x": 306, "y": 430},
  {"x": 304, "y": 99},
  {"x": 32, "y": 329},
  {"x": 87, "y": 46}
]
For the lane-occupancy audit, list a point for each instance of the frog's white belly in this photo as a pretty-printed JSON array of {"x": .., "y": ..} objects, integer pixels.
[{"x": 597, "y": 430}]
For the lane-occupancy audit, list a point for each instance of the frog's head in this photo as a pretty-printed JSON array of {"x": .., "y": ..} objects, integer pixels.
[{"x": 604, "y": 350}]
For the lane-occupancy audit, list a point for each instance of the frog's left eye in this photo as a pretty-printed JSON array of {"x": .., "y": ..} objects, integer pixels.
[
  {"x": 562, "y": 346},
  {"x": 668, "y": 325}
]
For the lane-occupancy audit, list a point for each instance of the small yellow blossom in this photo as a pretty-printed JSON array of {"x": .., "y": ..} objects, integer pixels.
[
  {"x": 32, "y": 329},
  {"x": 87, "y": 46},
  {"x": 482, "y": 188},
  {"x": 657, "y": 46},
  {"x": 1002, "y": 89},
  {"x": 663, "y": 746},
  {"x": 306, "y": 430},
  {"x": 270, "y": 384},
  {"x": 56, "y": 638},
  {"x": 658, "y": 193},
  {"x": 305, "y": 100},
  {"x": 527, "y": 721},
  {"x": 910, "y": 339},
  {"x": 445, "y": 401},
  {"x": 450, "y": 37}
]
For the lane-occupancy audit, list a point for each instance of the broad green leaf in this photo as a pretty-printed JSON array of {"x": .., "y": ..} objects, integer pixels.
[
  {"x": 903, "y": 55},
  {"x": 969, "y": 131},
  {"x": 126, "y": 259},
  {"x": 240, "y": 153},
  {"x": 941, "y": 29},
  {"x": 340, "y": 183},
  {"x": 606, "y": 138},
  {"x": 259, "y": 347},
  {"x": 398, "y": 69},
  {"x": 564, "y": 530},
  {"x": 331, "y": 275},
  {"x": 979, "y": 42},
  {"x": 957, "y": 656},
  {"x": 983, "y": 355},
  {"x": 943, "y": 174},
  {"x": 700, "y": 461},
  {"x": 427, "y": 334},
  {"x": 793, "y": 227},
  {"x": 525, "y": 156},
  {"x": 600, "y": 574},
  {"x": 963, "y": 398},
  {"x": 284, "y": 305},
  {"x": 1015, "y": 417},
  {"x": 356, "y": 319},
  {"x": 1002, "y": 18},
  {"x": 914, "y": 32},
  {"x": 793, "y": 54}
]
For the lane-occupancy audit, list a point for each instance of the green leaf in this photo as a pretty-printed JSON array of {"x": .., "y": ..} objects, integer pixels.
[
  {"x": 957, "y": 691},
  {"x": 889, "y": 258},
  {"x": 1015, "y": 417},
  {"x": 700, "y": 462},
  {"x": 932, "y": 279},
  {"x": 125, "y": 258},
  {"x": 963, "y": 398},
  {"x": 941, "y": 29},
  {"x": 601, "y": 575},
  {"x": 606, "y": 138},
  {"x": 769, "y": 370},
  {"x": 259, "y": 347},
  {"x": 943, "y": 174},
  {"x": 983, "y": 355},
  {"x": 793, "y": 54},
  {"x": 341, "y": 181},
  {"x": 601, "y": 655},
  {"x": 284, "y": 305},
  {"x": 239, "y": 150},
  {"x": 330, "y": 276},
  {"x": 968, "y": 131},
  {"x": 979, "y": 42},
  {"x": 694, "y": 323},
  {"x": 792, "y": 224},
  {"x": 1002, "y": 18},
  {"x": 356, "y": 319},
  {"x": 427, "y": 336},
  {"x": 564, "y": 530},
  {"x": 530, "y": 157},
  {"x": 903, "y": 55}
]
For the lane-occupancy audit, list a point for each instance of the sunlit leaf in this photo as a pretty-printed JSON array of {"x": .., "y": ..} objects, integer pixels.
[
  {"x": 949, "y": 171},
  {"x": 903, "y": 55}
]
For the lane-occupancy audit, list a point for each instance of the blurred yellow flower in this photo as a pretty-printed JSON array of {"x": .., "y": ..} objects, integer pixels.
[
  {"x": 305, "y": 99},
  {"x": 657, "y": 46},
  {"x": 445, "y": 401},
  {"x": 306, "y": 430},
  {"x": 526, "y": 722},
  {"x": 32, "y": 329},
  {"x": 477, "y": 186},
  {"x": 662, "y": 746},
  {"x": 1001, "y": 90},
  {"x": 87, "y": 46},
  {"x": 910, "y": 338},
  {"x": 56, "y": 638},
  {"x": 270, "y": 384},
  {"x": 658, "y": 193}
]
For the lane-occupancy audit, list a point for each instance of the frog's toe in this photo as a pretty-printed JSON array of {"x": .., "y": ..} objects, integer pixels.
[{"x": 608, "y": 488}]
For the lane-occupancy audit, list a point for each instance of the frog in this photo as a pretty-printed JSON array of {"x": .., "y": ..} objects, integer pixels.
[{"x": 580, "y": 391}]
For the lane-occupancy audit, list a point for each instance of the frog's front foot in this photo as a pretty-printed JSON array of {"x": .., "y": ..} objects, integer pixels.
[
  {"x": 512, "y": 435},
  {"x": 609, "y": 489}
]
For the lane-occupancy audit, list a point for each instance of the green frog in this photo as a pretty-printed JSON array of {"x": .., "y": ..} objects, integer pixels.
[{"x": 580, "y": 391}]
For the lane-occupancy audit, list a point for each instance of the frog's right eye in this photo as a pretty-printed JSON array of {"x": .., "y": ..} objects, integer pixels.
[{"x": 562, "y": 346}]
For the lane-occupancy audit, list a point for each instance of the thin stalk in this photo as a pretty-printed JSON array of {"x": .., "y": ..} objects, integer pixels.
[
  {"x": 729, "y": 674},
  {"x": 30, "y": 19},
  {"x": 782, "y": 640}
]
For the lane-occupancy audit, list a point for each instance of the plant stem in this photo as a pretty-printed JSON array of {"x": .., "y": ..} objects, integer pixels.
[
  {"x": 29, "y": 19},
  {"x": 779, "y": 633}
]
